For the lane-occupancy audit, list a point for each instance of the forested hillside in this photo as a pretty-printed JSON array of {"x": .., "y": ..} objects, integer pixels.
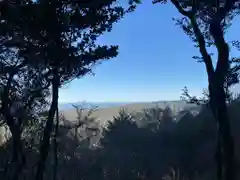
[{"x": 48, "y": 44}]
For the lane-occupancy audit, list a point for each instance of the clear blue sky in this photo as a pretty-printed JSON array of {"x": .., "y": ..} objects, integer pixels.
[{"x": 154, "y": 62}]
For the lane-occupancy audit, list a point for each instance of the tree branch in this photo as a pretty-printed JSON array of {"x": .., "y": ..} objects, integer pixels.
[
  {"x": 180, "y": 9},
  {"x": 199, "y": 36},
  {"x": 222, "y": 13},
  {"x": 218, "y": 36},
  {"x": 202, "y": 46}
]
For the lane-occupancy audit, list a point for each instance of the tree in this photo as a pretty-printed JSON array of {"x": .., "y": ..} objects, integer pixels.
[
  {"x": 123, "y": 139},
  {"x": 59, "y": 37},
  {"x": 23, "y": 86},
  {"x": 21, "y": 100},
  {"x": 205, "y": 22},
  {"x": 150, "y": 118}
]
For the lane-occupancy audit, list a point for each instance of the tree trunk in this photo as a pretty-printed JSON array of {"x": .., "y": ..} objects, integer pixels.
[
  {"x": 226, "y": 138},
  {"x": 218, "y": 97},
  {"x": 56, "y": 147},
  {"x": 44, "y": 149},
  {"x": 18, "y": 158},
  {"x": 225, "y": 149},
  {"x": 218, "y": 156}
]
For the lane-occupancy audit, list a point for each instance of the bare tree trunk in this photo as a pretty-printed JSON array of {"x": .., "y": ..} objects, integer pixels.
[{"x": 45, "y": 144}]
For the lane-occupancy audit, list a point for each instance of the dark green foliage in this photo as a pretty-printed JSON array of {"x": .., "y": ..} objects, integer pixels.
[
  {"x": 149, "y": 154},
  {"x": 51, "y": 43},
  {"x": 133, "y": 152},
  {"x": 188, "y": 145}
]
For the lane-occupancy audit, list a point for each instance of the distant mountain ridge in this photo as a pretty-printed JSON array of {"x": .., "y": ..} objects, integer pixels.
[
  {"x": 68, "y": 105},
  {"x": 161, "y": 104},
  {"x": 64, "y": 106}
]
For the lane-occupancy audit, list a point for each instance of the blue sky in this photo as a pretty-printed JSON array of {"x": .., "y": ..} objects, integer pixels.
[{"x": 154, "y": 63}]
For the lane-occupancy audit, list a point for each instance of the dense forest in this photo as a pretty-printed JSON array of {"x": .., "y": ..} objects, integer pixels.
[{"x": 46, "y": 44}]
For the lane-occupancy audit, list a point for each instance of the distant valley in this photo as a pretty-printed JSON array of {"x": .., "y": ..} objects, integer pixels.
[
  {"x": 177, "y": 103},
  {"x": 107, "y": 110},
  {"x": 64, "y": 106}
]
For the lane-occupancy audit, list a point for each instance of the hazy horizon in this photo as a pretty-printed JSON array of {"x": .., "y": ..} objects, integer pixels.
[
  {"x": 69, "y": 105},
  {"x": 62, "y": 102}
]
